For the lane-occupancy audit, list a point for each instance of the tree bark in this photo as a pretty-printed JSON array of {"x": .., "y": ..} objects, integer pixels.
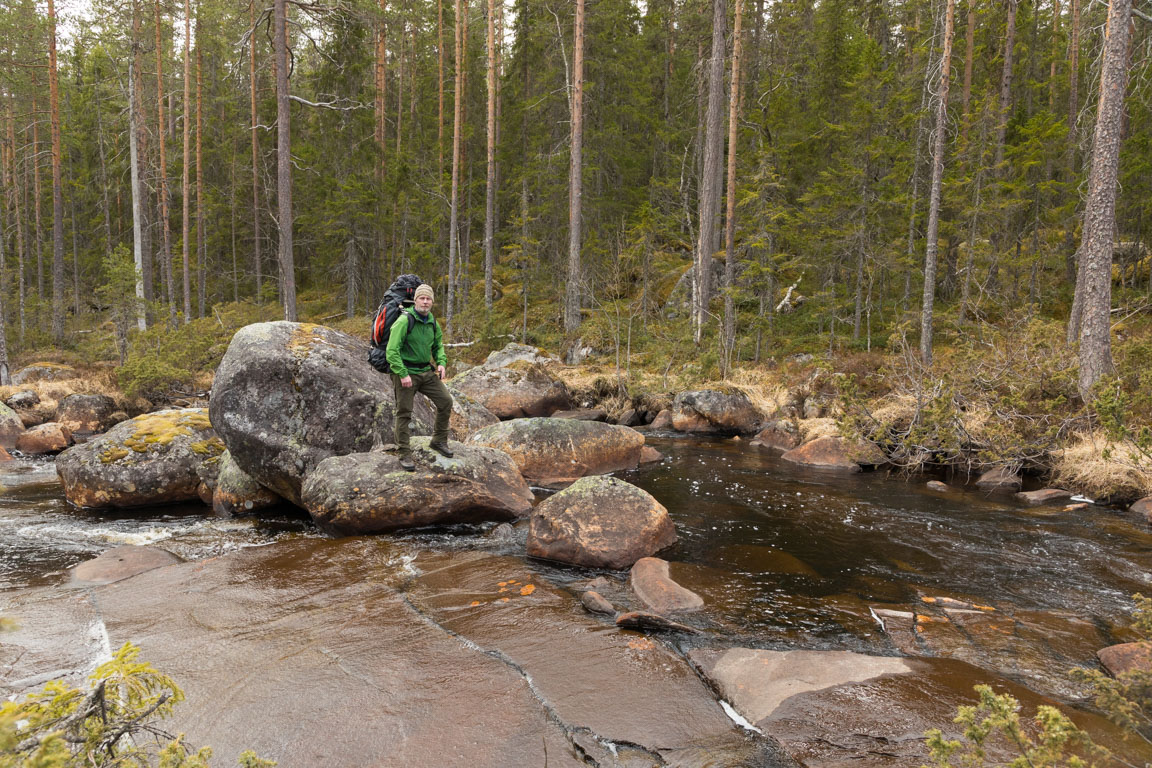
[
  {"x": 713, "y": 151},
  {"x": 137, "y": 194},
  {"x": 34, "y": 161},
  {"x": 166, "y": 229},
  {"x": 18, "y": 214},
  {"x": 57, "y": 185},
  {"x": 734, "y": 101},
  {"x": 575, "y": 176},
  {"x": 186, "y": 197},
  {"x": 1100, "y": 206},
  {"x": 257, "y": 261},
  {"x": 490, "y": 187},
  {"x": 439, "y": 92},
  {"x": 1004, "y": 102},
  {"x": 201, "y": 242},
  {"x": 284, "y": 163},
  {"x": 969, "y": 54},
  {"x": 934, "y": 192},
  {"x": 457, "y": 141}
]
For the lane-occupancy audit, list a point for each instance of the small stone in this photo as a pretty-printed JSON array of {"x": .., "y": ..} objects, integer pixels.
[
  {"x": 939, "y": 487},
  {"x": 654, "y": 622},
  {"x": 1044, "y": 496},
  {"x": 1143, "y": 507},
  {"x": 650, "y": 581},
  {"x": 663, "y": 420},
  {"x": 596, "y": 603},
  {"x": 649, "y": 455},
  {"x": 999, "y": 479}
]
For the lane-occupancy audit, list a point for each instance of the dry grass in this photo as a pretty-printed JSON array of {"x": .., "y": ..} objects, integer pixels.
[
  {"x": 99, "y": 380},
  {"x": 1099, "y": 468},
  {"x": 895, "y": 409},
  {"x": 810, "y": 429}
]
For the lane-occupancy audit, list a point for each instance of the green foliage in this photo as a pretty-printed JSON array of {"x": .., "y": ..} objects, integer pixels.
[
  {"x": 994, "y": 735},
  {"x": 111, "y": 723}
]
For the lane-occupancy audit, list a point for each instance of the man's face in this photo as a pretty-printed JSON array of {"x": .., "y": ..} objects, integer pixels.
[{"x": 423, "y": 304}]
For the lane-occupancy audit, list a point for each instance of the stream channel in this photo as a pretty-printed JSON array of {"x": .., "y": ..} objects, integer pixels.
[{"x": 784, "y": 558}]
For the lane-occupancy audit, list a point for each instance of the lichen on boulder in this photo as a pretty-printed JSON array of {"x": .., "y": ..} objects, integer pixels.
[
  {"x": 716, "y": 413},
  {"x": 151, "y": 459}
]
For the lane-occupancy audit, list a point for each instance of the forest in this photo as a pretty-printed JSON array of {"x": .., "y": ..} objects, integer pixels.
[{"x": 683, "y": 185}]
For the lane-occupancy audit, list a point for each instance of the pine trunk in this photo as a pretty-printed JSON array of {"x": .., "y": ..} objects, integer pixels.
[
  {"x": 186, "y": 181},
  {"x": 137, "y": 196},
  {"x": 575, "y": 176},
  {"x": 969, "y": 55},
  {"x": 201, "y": 242},
  {"x": 1100, "y": 206},
  {"x": 935, "y": 190},
  {"x": 490, "y": 187},
  {"x": 57, "y": 185},
  {"x": 457, "y": 141},
  {"x": 284, "y": 163},
  {"x": 165, "y": 227},
  {"x": 734, "y": 99},
  {"x": 1003, "y": 104},
  {"x": 713, "y": 154},
  {"x": 257, "y": 261}
]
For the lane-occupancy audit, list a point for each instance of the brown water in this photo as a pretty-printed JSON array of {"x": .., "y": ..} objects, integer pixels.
[{"x": 785, "y": 558}]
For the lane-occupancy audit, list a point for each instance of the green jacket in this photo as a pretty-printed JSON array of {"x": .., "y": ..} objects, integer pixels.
[{"x": 414, "y": 342}]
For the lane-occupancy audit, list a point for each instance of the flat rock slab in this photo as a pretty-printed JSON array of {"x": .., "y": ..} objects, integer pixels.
[
  {"x": 650, "y": 581},
  {"x": 56, "y": 636},
  {"x": 1044, "y": 496},
  {"x": 837, "y": 708},
  {"x": 834, "y": 453},
  {"x": 121, "y": 563},
  {"x": 1126, "y": 657}
]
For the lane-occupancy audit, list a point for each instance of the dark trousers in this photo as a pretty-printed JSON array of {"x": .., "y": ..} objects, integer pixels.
[{"x": 427, "y": 383}]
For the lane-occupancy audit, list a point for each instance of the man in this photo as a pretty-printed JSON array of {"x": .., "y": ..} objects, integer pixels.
[{"x": 416, "y": 356}]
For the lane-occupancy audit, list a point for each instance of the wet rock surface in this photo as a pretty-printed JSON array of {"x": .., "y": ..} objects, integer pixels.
[
  {"x": 1044, "y": 496},
  {"x": 151, "y": 459},
  {"x": 834, "y": 453},
  {"x": 654, "y": 587},
  {"x": 715, "y": 413},
  {"x": 519, "y": 391},
  {"x": 599, "y": 522},
  {"x": 1126, "y": 657},
  {"x": 286, "y": 396},
  {"x": 556, "y": 452},
  {"x": 369, "y": 492},
  {"x": 121, "y": 563},
  {"x": 235, "y": 493}
]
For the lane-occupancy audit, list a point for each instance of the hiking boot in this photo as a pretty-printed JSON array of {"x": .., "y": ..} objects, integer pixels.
[
  {"x": 407, "y": 464},
  {"x": 442, "y": 449}
]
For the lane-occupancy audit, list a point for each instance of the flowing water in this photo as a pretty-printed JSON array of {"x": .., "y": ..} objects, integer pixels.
[{"x": 785, "y": 558}]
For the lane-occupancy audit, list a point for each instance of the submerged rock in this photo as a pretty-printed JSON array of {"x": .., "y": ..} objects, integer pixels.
[
  {"x": 835, "y": 453},
  {"x": 553, "y": 452},
  {"x": 599, "y": 522},
  {"x": 1044, "y": 496},
  {"x": 939, "y": 487},
  {"x": 515, "y": 392},
  {"x": 715, "y": 413},
  {"x": 369, "y": 492},
  {"x": 121, "y": 563},
  {"x": 151, "y": 459},
  {"x": 596, "y": 603},
  {"x": 287, "y": 396},
  {"x": 235, "y": 493},
  {"x": 650, "y": 581}
]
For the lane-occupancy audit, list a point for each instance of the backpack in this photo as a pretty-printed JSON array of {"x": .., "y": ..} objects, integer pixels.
[{"x": 402, "y": 290}]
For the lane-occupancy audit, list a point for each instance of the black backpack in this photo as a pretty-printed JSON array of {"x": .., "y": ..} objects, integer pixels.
[{"x": 401, "y": 292}]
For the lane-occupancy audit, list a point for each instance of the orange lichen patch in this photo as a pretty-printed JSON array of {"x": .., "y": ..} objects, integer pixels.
[
  {"x": 504, "y": 599},
  {"x": 513, "y": 581},
  {"x": 922, "y": 619},
  {"x": 927, "y": 599},
  {"x": 502, "y": 589},
  {"x": 474, "y": 603},
  {"x": 303, "y": 336},
  {"x": 641, "y": 644},
  {"x": 502, "y": 584},
  {"x": 983, "y": 607},
  {"x": 528, "y": 589}
]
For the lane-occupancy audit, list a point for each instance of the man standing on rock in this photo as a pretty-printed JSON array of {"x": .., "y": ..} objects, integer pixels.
[{"x": 416, "y": 357}]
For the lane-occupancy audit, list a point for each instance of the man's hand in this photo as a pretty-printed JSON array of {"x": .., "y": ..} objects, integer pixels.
[
  {"x": 442, "y": 373},
  {"x": 406, "y": 382}
]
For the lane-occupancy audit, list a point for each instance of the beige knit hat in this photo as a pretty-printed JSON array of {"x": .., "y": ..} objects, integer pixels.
[{"x": 424, "y": 290}]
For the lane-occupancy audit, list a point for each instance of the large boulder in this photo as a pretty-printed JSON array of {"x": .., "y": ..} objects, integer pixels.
[
  {"x": 43, "y": 372},
  {"x": 716, "y": 413},
  {"x": 515, "y": 391},
  {"x": 25, "y": 398},
  {"x": 151, "y": 459},
  {"x": 1143, "y": 507},
  {"x": 599, "y": 522},
  {"x": 369, "y": 492},
  {"x": 999, "y": 479},
  {"x": 555, "y": 452},
  {"x": 11, "y": 427},
  {"x": 779, "y": 435},
  {"x": 513, "y": 353},
  {"x": 468, "y": 415},
  {"x": 835, "y": 453},
  {"x": 86, "y": 414},
  {"x": 1126, "y": 657},
  {"x": 287, "y": 396},
  {"x": 235, "y": 493},
  {"x": 42, "y": 439}
]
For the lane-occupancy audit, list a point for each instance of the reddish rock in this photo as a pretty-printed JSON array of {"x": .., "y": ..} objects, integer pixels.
[
  {"x": 46, "y": 438},
  {"x": 86, "y": 414},
  {"x": 663, "y": 420},
  {"x": 1044, "y": 496},
  {"x": 11, "y": 427},
  {"x": 631, "y": 418},
  {"x": 834, "y": 453},
  {"x": 596, "y": 603},
  {"x": 715, "y": 413},
  {"x": 121, "y": 563},
  {"x": 780, "y": 435},
  {"x": 555, "y": 452},
  {"x": 939, "y": 487},
  {"x": 650, "y": 581},
  {"x": 648, "y": 455},
  {"x": 600, "y": 522},
  {"x": 5, "y": 456},
  {"x": 1143, "y": 507},
  {"x": 1126, "y": 657},
  {"x": 999, "y": 479}
]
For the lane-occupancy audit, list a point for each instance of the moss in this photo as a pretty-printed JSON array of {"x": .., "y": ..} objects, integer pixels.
[
  {"x": 164, "y": 427},
  {"x": 113, "y": 453},
  {"x": 210, "y": 447},
  {"x": 302, "y": 339}
]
